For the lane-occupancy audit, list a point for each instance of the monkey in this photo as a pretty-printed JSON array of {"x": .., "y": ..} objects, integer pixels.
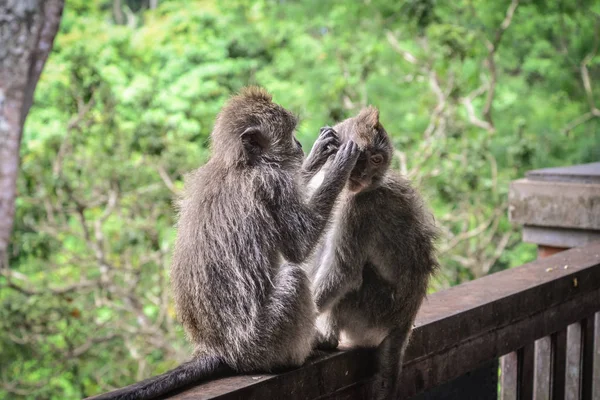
[
  {"x": 371, "y": 270},
  {"x": 244, "y": 228}
]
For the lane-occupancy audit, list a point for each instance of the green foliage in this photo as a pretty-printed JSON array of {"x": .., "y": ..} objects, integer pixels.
[{"x": 125, "y": 108}]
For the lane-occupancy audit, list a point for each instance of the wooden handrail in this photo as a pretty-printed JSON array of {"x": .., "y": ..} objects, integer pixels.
[{"x": 456, "y": 331}]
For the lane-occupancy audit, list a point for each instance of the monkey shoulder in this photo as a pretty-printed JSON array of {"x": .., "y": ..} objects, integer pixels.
[
  {"x": 397, "y": 187},
  {"x": 393, "y": 198},
  {"x": 397, "y": 213},
  {"x": 203, "y": 182},
  {"x": 392, "y": 227}
]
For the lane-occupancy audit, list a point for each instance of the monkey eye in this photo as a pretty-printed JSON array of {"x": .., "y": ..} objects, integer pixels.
[{"x": 377, "y": 159}]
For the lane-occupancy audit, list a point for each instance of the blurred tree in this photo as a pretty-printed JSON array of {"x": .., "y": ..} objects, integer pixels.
[{"x": 27, "y": 31}]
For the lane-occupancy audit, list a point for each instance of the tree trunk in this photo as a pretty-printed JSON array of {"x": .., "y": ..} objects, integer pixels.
[
  {"x": 118, "y": 12},
  {"x": 27, "y": 31}
]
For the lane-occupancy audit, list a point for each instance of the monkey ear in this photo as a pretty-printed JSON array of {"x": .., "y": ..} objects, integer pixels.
[
  {"x": 370, "y": 116},
  {"x": 253, "y": 141}
]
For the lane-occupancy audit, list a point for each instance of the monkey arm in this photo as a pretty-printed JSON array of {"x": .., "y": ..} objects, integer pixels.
[
  {"x": 301, "y": 225},
  {"x": 309, "y": 170},
  {"x": 312, "y": 164},
  {"x": 339, "y": 272}
]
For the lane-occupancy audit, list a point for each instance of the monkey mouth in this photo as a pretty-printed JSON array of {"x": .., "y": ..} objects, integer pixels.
[{"x": 355, "y": 185}]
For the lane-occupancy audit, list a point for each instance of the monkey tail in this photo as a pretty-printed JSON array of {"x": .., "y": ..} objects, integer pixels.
[{"x": 191, "y": 372}]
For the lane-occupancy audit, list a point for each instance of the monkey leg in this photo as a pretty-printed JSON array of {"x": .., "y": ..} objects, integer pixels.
[{"x": 390, "y": 356}]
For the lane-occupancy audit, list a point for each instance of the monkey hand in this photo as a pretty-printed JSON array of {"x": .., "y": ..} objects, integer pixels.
[
  {"x": 329, "y": 138},
  {"x": 326, "y": 145},
  {"x": 345, "y": 159}
]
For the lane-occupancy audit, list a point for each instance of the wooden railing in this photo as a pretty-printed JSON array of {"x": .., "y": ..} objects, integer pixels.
[
  {"x": 545, "y": 316},
  {"x": 539, "y": 324}
]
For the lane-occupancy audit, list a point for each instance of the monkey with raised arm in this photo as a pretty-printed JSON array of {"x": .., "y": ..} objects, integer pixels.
[
  {"x": 371, "y": 270},
  {"x": 243, "y": 230}
]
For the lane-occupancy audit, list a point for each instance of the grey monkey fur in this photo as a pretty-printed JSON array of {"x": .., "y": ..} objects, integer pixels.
[
  {"x": 241, "y": 215},
  {"x": 371, "y": 270}
]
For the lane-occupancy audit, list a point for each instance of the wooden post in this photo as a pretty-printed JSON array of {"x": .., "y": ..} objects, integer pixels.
[
  {"x": 559, "y": 209},
  {"x": 547, "y": 251}
]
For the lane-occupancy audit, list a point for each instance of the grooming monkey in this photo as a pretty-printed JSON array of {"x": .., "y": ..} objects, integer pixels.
[
  {"x": 371, "y": 270},
  {"x": 241, "y": 215}
]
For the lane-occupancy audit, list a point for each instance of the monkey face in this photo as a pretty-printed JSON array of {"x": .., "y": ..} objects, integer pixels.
[
  {"x": 369, "y": 170},
  {"x": 376, "y": 149},
  {"x": 291, "y": 151}
]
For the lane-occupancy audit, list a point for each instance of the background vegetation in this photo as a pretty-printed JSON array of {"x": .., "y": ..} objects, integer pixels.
[{"x": 473, "y": 92}]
